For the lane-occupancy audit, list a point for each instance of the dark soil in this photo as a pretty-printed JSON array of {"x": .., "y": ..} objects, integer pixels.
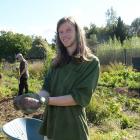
[{"x": 8, "y": 113}]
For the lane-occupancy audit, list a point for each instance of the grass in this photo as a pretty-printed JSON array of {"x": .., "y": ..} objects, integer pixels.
[
  {"x": 113, "y": 116},
  {"x": 112, "y": 51}
]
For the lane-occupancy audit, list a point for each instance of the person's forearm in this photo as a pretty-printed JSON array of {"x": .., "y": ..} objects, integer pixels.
[{"x": 66, "y": 100}]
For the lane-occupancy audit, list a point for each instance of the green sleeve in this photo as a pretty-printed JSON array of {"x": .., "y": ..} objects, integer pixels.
[
  {"x": 46, "y": 84},
  {"x": 87, "y": 84}
]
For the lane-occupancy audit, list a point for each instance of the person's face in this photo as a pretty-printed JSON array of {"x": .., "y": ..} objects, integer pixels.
[
  {"x": 67, "y": 34},
  {"x": 19, "y": 59}
]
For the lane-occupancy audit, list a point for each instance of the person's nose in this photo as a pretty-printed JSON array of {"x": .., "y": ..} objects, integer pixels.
[{"x": 64, "y": 34}]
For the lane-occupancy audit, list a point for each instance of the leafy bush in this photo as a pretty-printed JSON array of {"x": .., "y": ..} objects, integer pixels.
[
  {"x": 97, "y": 111},
  {"x": 126, "y": 122},
  {"x": 133, "y": 104}
]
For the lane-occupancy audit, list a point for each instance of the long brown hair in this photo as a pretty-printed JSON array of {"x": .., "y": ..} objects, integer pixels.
[{"x": 82, "y": 51}]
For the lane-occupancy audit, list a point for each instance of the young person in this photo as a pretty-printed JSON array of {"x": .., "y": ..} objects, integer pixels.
[{"x": 68, "y": 86}]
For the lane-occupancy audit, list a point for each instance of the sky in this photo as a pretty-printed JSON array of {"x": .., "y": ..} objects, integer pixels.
[{"x": 40, "y": 17}]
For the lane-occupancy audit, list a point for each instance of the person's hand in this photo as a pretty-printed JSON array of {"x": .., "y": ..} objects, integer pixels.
[
  {"x": 44, "y": 93},
  {"x": 44, "y": 96},
  {"x": 27, "y": 103}
]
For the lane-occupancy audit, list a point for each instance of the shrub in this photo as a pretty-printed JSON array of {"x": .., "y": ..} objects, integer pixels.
[
  {"x": 97, "y": 111},
  {"x": 126, "y": 122}
]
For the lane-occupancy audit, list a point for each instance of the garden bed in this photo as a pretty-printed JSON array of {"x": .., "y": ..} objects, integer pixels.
[{"x": 8, "y": 113}]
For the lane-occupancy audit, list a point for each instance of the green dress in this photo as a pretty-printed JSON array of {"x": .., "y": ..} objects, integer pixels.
[{"x": 78, "y": 80}]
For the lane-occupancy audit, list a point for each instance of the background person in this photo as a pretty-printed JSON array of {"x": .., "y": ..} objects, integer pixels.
[{"x": 24, "y": 74}]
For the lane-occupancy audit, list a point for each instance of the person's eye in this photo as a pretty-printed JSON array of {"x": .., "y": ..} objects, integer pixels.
[
  {"x": 61, "y": 32},
  {"x": 68, "y": 30}
]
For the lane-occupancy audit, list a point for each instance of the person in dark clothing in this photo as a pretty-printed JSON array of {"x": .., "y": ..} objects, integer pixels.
[
  {"x": 0, "y": 78},
  {"x": 24, "y": 74}
]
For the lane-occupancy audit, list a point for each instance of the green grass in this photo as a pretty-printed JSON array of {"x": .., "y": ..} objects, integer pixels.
[
  {"x": 113, "y": 116},
  {"x": 112, "y": 51}
]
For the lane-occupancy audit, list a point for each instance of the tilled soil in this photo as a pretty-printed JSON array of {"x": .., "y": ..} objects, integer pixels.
[{"x": 8, "y": 113}]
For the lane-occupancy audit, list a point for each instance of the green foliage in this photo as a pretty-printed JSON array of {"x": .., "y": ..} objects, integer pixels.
[
  {"x": 118, "y": 75},
  {"x": 92, "y": 40},
  {"x": 134, "y": 42},
  {"x": 95, "y": 35},
  {"x": 112, "y": 51},
  {"x": 50, "y": 55},
  {"x": 36, "y": 70},
  {"x": 35, "y": 85},
  {"x": 37, "y": 52},
  {"x": 132, "y": 105},
  {"x": 97, "y": 111},
  {"x": 98, "y": 133},
  {"x": 12, "y": 43},
  {"x": 135, "y": 27},
  {"x": 121, "y": 135},
  {"x": 8, "y": 86},
  {"x": 133, "y": 85},
  {"x": 114, "y": 107},
  {"x": 114, "y": 116},
  {"x": 120, "y": 31},
  {"x": 126, "y": 122},
  {"x": 39, "y": 49}
]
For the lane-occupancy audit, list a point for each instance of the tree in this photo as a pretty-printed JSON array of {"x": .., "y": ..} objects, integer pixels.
[
  {"x": 111, "y": 20},
  {"x": 12, "y": 43},
  {"x": 111, "y": 17},
  {"x": 135, "y": 27},
  {"x": 54, "y": 41},
  {"x": 92, "y": 30},
  {"x": 91, "y": 35},
  {"x": 121, "y": 31},
  {"x": 39, "y": 48},
  {"x": 95, "y": 35}
]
